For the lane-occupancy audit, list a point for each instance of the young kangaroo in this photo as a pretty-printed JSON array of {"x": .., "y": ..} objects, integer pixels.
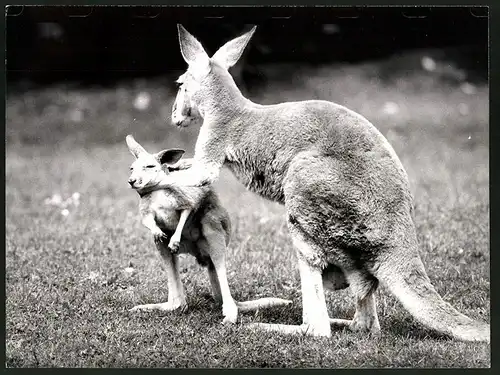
[
  {"x": 196, "y": 223},
  {"x": 347, "y": 196}
]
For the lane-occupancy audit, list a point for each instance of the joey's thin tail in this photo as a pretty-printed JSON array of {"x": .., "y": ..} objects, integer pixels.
[
  {"x": 409, "y": 282},
  {"x": 261, "y": 303}
]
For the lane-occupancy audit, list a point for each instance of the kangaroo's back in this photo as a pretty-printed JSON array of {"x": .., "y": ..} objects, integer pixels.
[{"x": 290, "y": 128}]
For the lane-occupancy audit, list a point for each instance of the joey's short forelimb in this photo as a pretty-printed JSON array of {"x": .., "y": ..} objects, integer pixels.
[{"x": 149, "y": 222}]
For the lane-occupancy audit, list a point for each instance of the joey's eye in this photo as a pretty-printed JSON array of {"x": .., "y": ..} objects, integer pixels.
[
  {"x": 150, "y": 166},
  {"x": 178, "y": 84}
]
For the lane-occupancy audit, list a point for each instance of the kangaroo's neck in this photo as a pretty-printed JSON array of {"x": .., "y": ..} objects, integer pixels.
[{"x": 225, "y": 100}]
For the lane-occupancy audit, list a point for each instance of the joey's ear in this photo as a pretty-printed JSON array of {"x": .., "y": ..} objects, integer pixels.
[
  {"x": 169, "y": 157},
  {"x": 135, "y": 148},
  {"x": 230, "y": 53},
  {"x": 191, "y": 49}
]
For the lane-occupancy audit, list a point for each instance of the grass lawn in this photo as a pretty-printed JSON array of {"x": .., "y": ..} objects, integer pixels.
[{"x": 71, "y": 276}]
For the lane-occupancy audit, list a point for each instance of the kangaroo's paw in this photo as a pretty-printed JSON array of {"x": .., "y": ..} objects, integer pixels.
[
  {"x": 174, "y": 244},
  {"x": 303, "y": 329},
  {"x": 230, "y": 312},
  {"x": 165, "y": 306}
]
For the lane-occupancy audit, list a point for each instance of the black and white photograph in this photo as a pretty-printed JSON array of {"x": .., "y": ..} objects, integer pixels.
[{"x": 247, "y": 187}]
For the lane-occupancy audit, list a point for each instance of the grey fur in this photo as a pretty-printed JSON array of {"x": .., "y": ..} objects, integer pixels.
[{"x": 346, "y": 194}]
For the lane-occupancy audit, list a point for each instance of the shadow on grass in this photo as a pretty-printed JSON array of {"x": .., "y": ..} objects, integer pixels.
[{"x": 409, "y": 329}]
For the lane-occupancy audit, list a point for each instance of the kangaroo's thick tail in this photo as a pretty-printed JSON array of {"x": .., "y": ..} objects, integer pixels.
[
  {"x": 261, "y": 303},
  {"x": 408, "y": 281}
]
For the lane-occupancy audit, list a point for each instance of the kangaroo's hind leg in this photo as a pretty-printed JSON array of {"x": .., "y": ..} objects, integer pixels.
[
  {"x": 315, "y": 321},
  {"x": 363, "y": 287},
  {"x": 327, "y": 206},
  {"x": 176, "y": 295},
  {"x": 214, "y": 243},
  {"x": 214, "y": 282}
]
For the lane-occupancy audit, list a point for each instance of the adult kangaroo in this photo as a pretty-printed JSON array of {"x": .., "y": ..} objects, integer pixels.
[{"x": 346, "y": 193}]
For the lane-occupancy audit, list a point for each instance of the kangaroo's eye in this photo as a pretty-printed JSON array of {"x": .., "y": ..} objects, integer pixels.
[
  {"x": 150, "y": 166},
  {"x": 178, "y": 84}
]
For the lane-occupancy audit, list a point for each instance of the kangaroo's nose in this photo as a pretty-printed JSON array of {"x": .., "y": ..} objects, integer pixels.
[{"x": 132, "y": 181}]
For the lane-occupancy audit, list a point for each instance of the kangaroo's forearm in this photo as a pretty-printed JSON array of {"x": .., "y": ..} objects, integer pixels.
[
  {"x": 197, "y": 175},
  {"x": 183, "y": 164},
  {"x": 180, "y": 225}
]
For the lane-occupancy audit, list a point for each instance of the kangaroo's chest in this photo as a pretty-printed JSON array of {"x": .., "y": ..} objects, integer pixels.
[{"x": 261, "y": 171}]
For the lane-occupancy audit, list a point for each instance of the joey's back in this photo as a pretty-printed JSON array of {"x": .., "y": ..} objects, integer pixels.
[{"x": 263, "y": 140}]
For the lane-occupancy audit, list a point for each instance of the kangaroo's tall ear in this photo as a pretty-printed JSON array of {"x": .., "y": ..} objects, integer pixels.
[
  {"x": 191, "y": 49},
  {"x": 230, "y": 53},
  {"x": 169, "y": 157},
  {"x": 135, "y": 148}
]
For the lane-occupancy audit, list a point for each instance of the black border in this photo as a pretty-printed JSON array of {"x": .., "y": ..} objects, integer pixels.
[{"x": 494, "y": 84}]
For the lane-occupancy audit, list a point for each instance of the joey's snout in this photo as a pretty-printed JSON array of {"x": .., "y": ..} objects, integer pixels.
[
  {"x": 131, "y": 181},
  {"x": 135, "y": 181}
]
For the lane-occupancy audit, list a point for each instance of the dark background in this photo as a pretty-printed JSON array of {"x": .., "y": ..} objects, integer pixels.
[{"x": 102, "y": 44}]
